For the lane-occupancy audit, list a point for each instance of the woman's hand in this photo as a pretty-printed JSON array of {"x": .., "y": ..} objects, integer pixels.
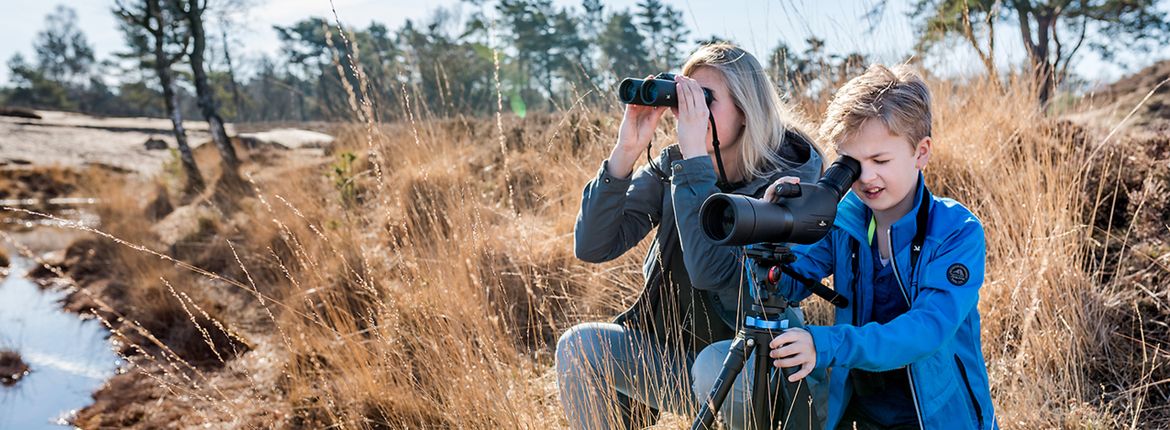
[
  {"x": 770, "y": 193},
  {"x": 794, "y": 348},
  {"x": 693, "y": 116},
  {"x": 638, "y": 126},
  {"x": 635, "y": 133}
]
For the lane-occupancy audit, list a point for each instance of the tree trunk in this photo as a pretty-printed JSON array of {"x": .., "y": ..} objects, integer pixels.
[
  {"x": 206, "y": 99},
  {"x": 162, "y": 65},
  {"x": 301, "y": 105},
  {"x": 232, "y": 78},
  {"x": 1038, "y": 49},
  {"x": 988, "y": 57},
  {"x": 1040, "y": 62}
]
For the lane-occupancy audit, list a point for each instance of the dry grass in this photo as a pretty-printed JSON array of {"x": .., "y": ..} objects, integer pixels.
[
  {"x": 423, "y": 281},
  {"x": 12, "y": 367},
  {"x": 37, "y": 182}
]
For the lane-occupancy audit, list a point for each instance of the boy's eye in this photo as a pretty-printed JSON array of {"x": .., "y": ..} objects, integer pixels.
[{"x": 880, "y": 161}]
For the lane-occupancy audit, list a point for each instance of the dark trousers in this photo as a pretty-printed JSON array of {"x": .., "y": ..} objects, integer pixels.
[{"x": 855, "y": 420}]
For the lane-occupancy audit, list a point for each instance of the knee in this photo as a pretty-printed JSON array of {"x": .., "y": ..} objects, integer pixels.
[
  {"x": 707, "y": 366},
  {"x": 575, "y": 348}
]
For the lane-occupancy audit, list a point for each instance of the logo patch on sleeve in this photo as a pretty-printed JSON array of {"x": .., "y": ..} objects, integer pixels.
[{"x": 958, "y": 274}]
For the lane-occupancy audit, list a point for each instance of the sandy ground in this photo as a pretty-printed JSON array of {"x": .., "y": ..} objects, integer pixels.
[{"x": 72, "y": 139}]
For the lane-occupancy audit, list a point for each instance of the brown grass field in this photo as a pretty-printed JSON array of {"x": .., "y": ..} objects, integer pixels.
[{"x": 418, "y": 274}]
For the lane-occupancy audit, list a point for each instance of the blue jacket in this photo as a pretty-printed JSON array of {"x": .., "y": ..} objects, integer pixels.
[{"x": 937, "y": 340}]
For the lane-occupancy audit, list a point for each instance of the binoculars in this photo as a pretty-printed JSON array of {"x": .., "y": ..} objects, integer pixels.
[{"x": 659, "y": 91}]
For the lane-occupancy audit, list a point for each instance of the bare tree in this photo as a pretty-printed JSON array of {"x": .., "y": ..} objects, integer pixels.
[
  {"x": 194, "y": 9},
  {"x": 231, "y": 71},
  {"x": 1042, "y": 24},
  {"x": 163, "y": 31},
  {"x": 232, "y": 14}
]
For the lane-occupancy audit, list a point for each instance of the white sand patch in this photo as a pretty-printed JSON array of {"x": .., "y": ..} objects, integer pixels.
[
  {"x": 291, "y": 138},
  {"x": 72, "y": 139}
]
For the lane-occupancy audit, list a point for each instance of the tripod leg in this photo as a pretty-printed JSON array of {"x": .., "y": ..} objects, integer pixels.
[
  {"x": 732, "y": 365},
  {"x": 774, "y": 399},
  {"x": 763, "y": 385},
  {"x": 797, "y": 410}
]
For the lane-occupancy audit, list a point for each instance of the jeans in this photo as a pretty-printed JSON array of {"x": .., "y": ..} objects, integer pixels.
[
  {"x": 736, "y": 409},
  {"x": 597, "y": 363}
]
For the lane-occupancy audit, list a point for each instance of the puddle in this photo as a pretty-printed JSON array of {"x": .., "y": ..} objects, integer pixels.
[{"x": 68, "y": 357}]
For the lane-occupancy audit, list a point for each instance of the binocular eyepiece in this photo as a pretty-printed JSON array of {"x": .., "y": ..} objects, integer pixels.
[
  {"x": 803, "y": 213},
  {"x": 659, "y": 91}
]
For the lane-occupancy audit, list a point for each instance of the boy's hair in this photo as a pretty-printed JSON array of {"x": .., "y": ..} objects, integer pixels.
[
  {"x": 766, "y": 116},
  {"x": 898, "y": 98}
]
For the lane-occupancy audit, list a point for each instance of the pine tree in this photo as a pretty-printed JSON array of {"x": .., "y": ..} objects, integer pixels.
[
  {"x": 675, "y": 38},
  {"x": 623, "y": 48},
  {"x": 652, "y": 15}
]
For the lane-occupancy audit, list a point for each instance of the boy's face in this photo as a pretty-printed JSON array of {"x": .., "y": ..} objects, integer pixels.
[{"x": 889, "y": 167}]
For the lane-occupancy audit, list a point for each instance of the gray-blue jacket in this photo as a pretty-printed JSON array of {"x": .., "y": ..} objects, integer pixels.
[{"x": 617, "y": 213}]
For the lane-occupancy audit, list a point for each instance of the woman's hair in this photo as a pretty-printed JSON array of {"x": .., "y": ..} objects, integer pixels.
[
  {"x": 766, "y": 117},
  {"x": 898, "y": 98}
]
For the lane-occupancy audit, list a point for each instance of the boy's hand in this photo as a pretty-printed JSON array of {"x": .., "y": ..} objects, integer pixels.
[{"x": 794, "y": 348}]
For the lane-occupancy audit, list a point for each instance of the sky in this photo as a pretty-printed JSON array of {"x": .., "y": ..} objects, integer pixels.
[{"x": 757, "y": 25}]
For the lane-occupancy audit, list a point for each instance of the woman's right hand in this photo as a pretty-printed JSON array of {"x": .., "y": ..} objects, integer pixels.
[{"x": 638, "y": 126}]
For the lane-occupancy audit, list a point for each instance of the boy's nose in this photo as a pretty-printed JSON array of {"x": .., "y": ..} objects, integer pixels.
[{"x": 867, "y": 175}]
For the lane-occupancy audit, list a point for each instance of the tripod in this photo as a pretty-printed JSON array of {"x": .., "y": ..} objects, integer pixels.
[{"x": 771, "y": 391}]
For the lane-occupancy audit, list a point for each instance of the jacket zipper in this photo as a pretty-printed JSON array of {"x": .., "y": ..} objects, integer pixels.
[
  {"x": 853, "y": 282},
  {"x": 909, "y": 374},
  {"x": 970, "y": 392}
]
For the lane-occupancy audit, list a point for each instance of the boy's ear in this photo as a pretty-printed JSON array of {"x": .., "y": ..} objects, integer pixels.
[{"x": 922, "y": 153}]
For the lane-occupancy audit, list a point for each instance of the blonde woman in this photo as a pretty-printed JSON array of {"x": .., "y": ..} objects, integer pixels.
[{"x": 609, "y": 374}]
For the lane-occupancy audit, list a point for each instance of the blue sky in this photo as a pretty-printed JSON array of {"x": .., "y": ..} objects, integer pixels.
[{"x": 758, "y": 25}]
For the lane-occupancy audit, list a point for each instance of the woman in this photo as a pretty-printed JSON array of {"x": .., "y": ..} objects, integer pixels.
[{"x": 609, "y": 372}]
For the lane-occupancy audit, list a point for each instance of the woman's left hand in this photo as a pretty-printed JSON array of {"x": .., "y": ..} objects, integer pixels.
[
  {"x": 794, "y": 348},
  {"x": 693, "y": 116}
]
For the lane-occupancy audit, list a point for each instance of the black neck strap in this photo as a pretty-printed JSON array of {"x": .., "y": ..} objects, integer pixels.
[
  {"x": 920, "y": 234},
  {"x": 854, "y": 247},
  {"x": 923, "y": 217},
  {"x": 722, "y": 182},
  {"x": 718, "y": 157}
]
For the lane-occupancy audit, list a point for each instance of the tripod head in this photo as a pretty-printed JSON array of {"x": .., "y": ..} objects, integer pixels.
[
  {"x": 776, "y": 258},
  {"x": 766, "y": 298}
]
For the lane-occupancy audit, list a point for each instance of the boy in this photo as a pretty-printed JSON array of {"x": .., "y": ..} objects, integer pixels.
[{"x": 906, "y": 351}]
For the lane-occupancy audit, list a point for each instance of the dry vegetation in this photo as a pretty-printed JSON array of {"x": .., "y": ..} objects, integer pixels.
[
  {"x": 12, "y": 367},
  {"x": 419, "y": 274}
]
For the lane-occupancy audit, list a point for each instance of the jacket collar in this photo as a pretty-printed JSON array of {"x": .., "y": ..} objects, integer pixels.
[
  {"x": 813, "y": 166},
  {"x": 853, "y": 217}
]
